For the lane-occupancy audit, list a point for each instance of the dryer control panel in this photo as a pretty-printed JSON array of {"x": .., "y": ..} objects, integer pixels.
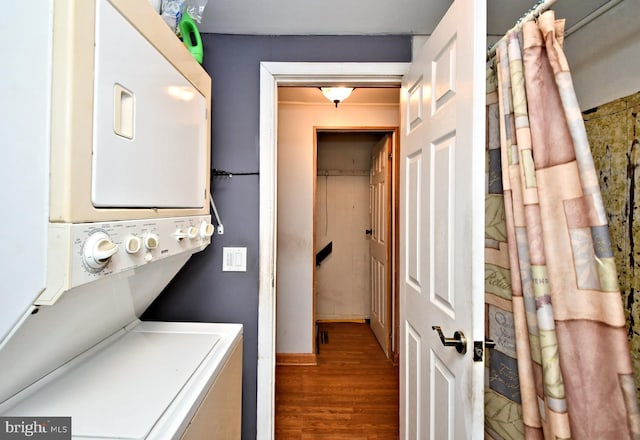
[{"x": 84, "y": 252}]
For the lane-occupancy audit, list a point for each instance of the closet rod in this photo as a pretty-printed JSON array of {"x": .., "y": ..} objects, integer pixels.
[{"x": 533, "y": 12}]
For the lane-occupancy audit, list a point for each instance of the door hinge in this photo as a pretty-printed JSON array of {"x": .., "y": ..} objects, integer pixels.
[
  {"x": 390, "y": 156},
  {"x": 479, "y": 346}
]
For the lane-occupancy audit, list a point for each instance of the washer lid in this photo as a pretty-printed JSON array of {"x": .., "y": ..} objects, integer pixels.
[{"x": 123, "y": 389}]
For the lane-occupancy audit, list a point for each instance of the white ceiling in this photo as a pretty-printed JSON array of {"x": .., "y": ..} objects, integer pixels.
[{"x": 368, "y": 17}]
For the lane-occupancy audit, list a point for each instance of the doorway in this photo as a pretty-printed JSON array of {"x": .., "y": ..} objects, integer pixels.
[
  {"x": 355, "y": 231},
  {"x": 273, "y": 74},
  {"x": 299, "y": 118}
]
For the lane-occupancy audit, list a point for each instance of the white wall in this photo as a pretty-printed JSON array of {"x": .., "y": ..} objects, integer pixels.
[
  {"x": 604, "y": 56},
  {"x": 296, "y": 256}
]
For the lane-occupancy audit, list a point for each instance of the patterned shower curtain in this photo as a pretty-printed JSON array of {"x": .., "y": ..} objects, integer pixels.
[{"x": 561, "y": 368}]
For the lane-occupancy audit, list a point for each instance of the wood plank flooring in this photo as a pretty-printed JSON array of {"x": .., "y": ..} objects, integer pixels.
[{"x": 351, "y": 394}]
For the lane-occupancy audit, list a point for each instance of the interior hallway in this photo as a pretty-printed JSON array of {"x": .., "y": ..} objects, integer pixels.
[{"x": 351, "y": 394}]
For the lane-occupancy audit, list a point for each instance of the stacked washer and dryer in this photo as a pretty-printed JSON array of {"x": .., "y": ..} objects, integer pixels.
[{"x": 105, "y": 118}]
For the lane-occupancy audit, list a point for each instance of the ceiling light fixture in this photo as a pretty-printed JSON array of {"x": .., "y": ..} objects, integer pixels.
[{"x": 336, "y": 94}]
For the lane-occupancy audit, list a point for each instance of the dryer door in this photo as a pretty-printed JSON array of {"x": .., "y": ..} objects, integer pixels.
[{"x": 149, "y": 139}]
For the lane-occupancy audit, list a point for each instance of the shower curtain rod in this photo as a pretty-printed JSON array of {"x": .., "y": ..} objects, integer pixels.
[
  {"x": 543, "y": 5},
  {"x": 533, "y": 12}
]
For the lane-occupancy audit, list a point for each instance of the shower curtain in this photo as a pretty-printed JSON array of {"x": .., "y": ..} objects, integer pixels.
[{"x": 561, "y": 367}]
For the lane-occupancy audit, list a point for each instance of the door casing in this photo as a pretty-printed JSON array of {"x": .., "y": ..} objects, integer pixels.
[{"x": 272, "y": 75}]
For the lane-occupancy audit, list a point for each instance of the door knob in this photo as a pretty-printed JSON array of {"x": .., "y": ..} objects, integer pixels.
[
  {"x": 459, "y": 341},
  {"x": 368, "y": 231}
]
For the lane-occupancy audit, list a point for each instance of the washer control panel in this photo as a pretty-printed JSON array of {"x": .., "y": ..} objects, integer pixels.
[{"x": 84, "y": 252}]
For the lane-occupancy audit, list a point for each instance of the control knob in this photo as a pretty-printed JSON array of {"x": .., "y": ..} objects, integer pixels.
[
  {"x": 192, "y": 232},
  {"x": 206, "y": 230},
  {"x": 179, "y": 234},
  {"x": 151, "y": 241},
  {"x": 98, "y": 250},
  {"x": 132, "y": 244}
]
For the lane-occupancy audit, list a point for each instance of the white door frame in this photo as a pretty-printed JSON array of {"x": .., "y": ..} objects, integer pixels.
[{"x": 272, "y": 75}]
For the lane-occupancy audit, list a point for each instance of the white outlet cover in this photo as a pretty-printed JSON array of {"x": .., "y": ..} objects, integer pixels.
[{"x": 234, "y": 259}]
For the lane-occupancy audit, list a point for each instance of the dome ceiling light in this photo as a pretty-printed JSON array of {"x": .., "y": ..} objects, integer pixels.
[{"x": 336, "y": 94}]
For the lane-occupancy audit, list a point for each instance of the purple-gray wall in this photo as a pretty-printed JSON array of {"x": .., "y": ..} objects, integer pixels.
[{"x": 201, "y": 291}]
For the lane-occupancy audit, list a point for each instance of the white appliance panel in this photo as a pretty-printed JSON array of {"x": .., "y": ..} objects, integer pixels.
[
  {"x": 149, "y": 139},
  {"x": 135, "y": 243},
  {"x": 24, "y": 169},
  {"x": 146, "y": 379},
  {"x": 99, "y": 309}
]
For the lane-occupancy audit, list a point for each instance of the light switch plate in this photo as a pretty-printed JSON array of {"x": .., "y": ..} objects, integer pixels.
[{"x": 234, "y": 259}]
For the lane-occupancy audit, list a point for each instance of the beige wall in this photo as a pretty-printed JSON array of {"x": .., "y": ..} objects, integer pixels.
[
  {"x": 612, "y": 131},
  {"x": 294, "y": 321}
]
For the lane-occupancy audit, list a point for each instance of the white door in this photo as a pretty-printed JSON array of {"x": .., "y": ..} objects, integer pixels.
[
  {"x": 380, "y": 208},
  {"x": 442, "y": 229}
]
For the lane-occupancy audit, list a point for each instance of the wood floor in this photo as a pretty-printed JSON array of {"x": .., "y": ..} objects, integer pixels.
[{"x": 351, "y": 394}]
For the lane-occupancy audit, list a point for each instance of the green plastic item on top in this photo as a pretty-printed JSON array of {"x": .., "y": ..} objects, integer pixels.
[{"x": 191, "y": 36}]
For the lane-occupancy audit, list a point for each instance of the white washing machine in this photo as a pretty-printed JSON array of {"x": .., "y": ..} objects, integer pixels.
[
  {"x": 152, "y": 380},
  {"x": 106, "y": 118}
]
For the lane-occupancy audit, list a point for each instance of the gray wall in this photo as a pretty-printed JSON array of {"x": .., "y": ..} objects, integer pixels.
[{"x": 201, "y": 291}]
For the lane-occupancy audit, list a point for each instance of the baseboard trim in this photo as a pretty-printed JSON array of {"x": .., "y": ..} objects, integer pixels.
[
  {"x": 299, "y": 359},
  {"x": 348, "y": 320}
]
